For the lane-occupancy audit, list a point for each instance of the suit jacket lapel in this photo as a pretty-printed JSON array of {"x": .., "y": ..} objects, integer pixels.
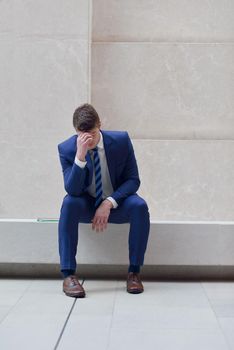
[{"x": 108, "y": 144}]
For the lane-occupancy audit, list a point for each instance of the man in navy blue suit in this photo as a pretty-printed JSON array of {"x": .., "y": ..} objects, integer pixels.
[{"x": 101, "y": 179}]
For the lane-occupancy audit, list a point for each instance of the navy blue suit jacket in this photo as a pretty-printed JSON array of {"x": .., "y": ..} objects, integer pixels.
[{"x": 121, "y": 163}]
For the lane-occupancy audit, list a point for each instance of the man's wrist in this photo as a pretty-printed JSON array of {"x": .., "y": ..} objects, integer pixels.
[
  {"x": 79, "y": 157},
  {"x": 79, "y": 162},
  {"x": 114, "y": 203},
  {"x": 109, "y": 203}
]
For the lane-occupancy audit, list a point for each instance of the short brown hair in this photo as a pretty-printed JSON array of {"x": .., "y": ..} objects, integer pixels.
[{"x": 85, "y": 118}]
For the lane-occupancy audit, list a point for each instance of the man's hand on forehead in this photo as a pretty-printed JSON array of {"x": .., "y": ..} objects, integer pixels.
[
  {"x": 83, "y": 142},
  {"x": 85, "y": 134}
]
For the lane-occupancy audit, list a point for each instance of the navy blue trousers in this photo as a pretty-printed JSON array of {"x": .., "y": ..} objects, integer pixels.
[{"x": 75, "y": 210}]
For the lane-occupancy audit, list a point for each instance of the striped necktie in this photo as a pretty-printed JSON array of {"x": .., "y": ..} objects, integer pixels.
[{"x": 98, "y": 177}]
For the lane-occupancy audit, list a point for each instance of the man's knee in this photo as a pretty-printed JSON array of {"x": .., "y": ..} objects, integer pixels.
[
  {"x": 139, "y": 204},
  {"x": 142, "y": 205}
]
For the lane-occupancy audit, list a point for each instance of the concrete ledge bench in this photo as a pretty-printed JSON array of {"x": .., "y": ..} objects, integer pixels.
[{"x": 176, "y": 249}]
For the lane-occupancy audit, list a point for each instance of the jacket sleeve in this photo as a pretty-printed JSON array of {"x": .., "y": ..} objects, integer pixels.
[
  {"x": 131, "y": 181},
  {"x": 73, "y": 176}
]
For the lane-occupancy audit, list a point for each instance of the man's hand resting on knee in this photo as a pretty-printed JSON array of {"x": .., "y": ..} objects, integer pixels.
[{"x": 99, "y": 222}]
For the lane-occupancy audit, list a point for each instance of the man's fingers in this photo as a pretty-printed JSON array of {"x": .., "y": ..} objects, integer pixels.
[
  {"x": 87, "y": 137},
  {"x": 97, "y": 227},
  {"x": 100, "y": 219},
  {"x": 102, "y": 225},
  {"x": 99, "y": 224},
  {"x": 86, "y": 141},
  {"x": 95, "y": 223},
  {"x": 84, "y": 136},
  {"x": 105, "y": 224},
  {"x": 95, "y": 219}
]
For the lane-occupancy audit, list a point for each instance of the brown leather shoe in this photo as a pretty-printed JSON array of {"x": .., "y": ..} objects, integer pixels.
[
  {"x": 72, "y": 287},
  {"x": 134, "y": 284}
]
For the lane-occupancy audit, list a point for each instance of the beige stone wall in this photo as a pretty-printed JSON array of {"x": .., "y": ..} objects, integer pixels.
[
  {"x": 163, "y": 70},
  {"x": 44, "y": 70}
]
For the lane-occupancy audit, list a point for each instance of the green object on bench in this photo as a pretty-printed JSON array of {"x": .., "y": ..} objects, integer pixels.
[{"x": 46, "y": 220}]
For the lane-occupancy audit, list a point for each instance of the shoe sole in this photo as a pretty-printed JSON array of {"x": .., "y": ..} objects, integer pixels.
[
  {"x": 80, "y": 295},
  {"x": 137, "y": 291}
]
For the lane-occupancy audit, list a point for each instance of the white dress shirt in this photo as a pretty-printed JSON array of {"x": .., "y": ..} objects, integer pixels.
[{"x": 107, "y": 187}]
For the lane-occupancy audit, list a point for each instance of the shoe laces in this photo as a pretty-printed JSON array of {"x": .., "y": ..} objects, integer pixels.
[
  {"x": 74, "y": 281},
  {"x": 135, "y": 277}
]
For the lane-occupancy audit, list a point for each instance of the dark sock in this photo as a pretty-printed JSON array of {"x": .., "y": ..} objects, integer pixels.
[
  {"x": 67, "y": 273},
  {"x": 134, "y": 268}
]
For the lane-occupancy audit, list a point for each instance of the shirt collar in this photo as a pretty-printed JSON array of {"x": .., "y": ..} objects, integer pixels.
[{"x": 100, "y": 143}]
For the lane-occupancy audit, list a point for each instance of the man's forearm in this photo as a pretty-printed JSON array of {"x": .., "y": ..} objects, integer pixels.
[
  {"x": 74, "y": 180},
  {"x": 126, "y": 189}
]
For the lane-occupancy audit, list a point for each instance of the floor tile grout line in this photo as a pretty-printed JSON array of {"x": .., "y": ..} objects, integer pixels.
[
  {"x": 64, "y": 326},
  {"x": 211, "y": 306},
  {"x": 112, "y": 315},
  {"x": 66, "y": 322},
  {"x": 13, "y": 306}
]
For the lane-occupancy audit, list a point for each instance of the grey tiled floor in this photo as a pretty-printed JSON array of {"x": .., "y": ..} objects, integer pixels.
[{"x": 35, "y": 314}]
